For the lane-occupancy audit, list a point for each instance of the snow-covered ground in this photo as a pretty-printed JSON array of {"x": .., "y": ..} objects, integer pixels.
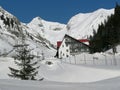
[
  {"x": 112, "y": 84},
  {"x": 62, "y": 72},
  {"x": 63, "y": 76}
]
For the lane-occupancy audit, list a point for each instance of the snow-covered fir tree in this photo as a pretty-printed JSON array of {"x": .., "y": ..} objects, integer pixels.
[{"x": 27, "y": 66}]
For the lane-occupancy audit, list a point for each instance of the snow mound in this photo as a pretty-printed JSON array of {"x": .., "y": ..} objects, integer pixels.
[{"x": 62, "y": 72}]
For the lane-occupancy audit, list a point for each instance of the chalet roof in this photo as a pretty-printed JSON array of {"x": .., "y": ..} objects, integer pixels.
[
  {"x": 75, "y": 40},
  {"x": 80, "y": 40},
  {"x": 83, "y": 40}
]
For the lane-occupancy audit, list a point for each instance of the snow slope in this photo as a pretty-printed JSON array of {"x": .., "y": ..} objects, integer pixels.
[
  {"x": 112, "y": 84},
  {"x": 11, "y": 30},
  {"x": 62, "y": 72},
  {"x": 82, "y": 25},
  {"x": 61, "y": 76},
  {"x": 52, "y": 31}
]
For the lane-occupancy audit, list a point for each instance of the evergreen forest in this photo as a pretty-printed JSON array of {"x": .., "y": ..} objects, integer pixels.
[{"x": 108, "y": 33}]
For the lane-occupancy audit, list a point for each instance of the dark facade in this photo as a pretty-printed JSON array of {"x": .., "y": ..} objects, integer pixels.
[{"x": 76, "y": 46}]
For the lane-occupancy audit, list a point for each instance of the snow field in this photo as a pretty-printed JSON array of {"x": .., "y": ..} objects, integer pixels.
[
  {"x": 62, "y": 76},
  {"x": 62, "y": 72},
  {"x": 54, "y": 70}
]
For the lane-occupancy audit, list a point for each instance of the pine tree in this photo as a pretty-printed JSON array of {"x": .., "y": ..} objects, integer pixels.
[
  {"x": 108, "y": 34},
  {"x": 26, "y": 66}
]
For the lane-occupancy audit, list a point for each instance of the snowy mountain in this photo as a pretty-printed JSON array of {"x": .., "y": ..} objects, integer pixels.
[
  {"x": 79, "y": 26},
  {"x": 82, "y": 25},
  {"x": 11, "y": 30},
  {"x": 52, "y": 31},
  {"x": 42, "y": 35}
]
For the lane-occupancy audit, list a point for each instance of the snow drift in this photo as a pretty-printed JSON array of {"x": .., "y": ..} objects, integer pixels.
[{"x": 62, "y": 72}]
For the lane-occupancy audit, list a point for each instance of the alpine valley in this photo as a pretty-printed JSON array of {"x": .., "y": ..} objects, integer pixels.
[{"x": 42, "y": 35}]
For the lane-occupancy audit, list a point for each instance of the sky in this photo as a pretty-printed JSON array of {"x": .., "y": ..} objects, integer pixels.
[{"x": 53, "y": 10}]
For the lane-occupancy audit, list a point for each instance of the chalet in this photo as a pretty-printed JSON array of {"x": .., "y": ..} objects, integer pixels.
[{"x": 71, "y": 46}]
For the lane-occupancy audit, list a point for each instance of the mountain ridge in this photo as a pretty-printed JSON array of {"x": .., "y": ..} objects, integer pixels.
[
  {"x": 44, "y": 34},
  {"x": 85, "y": 23}
]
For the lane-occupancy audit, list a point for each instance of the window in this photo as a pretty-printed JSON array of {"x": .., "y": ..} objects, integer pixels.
[
  {"x": 76, "y": 50},
  {"x": 61, "y": 53},
  {"x": 66, "y": 50},
  {"x": 67, "y": 55},
  {"x": 66, "y": 44},
  {"x": 66, "y": 39}
]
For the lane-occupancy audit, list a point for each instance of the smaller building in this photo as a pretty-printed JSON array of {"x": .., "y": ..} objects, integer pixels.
[{"x": 71, "y": 46}]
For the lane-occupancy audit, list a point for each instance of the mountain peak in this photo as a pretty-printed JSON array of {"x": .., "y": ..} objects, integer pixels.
[
  {"x": 84, "y": 23},
  {"x": 37, "y": 18},
  {"x": 102, "y": 10}
]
